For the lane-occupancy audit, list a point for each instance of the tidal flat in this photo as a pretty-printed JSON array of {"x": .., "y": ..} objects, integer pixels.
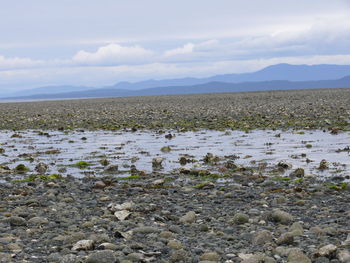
[{"x": 244, "y": 177}]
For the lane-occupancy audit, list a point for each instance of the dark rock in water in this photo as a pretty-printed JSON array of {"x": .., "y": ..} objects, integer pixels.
[
  {"x": 157, "y": 162},
  {"x": 323, "y": 165},
  {"x": 299, "y": 172},
  {"x": 41, "y": 168},
  {"x": 284, "y": 165},
  {"x": 112, "y": 168}
]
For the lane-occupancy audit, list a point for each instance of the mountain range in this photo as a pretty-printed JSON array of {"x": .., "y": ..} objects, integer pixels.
[{"x": 276, "y": 77}]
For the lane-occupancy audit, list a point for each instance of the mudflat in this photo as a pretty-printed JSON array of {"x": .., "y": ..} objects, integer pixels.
[{"x": 324, "y": 108}]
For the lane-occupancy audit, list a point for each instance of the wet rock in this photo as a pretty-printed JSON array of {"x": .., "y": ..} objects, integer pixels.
[
  {"x": 157, "y": 162},
  {"x": 209, "y": 158},
  {"x": 284, "y": 165},
  {"x": 113, "y": 168},
  {"x": 188, "y": 218},
  {"x": 41, "y": 168},
  {"x": 299, "y": 172},
  {"x": 105, "y": 256},
  {"x": 323, "y": 165},
  {"x": 83, "y": 245}
]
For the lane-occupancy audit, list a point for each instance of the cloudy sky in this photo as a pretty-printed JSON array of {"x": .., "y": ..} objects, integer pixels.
[{"x": 97, "y": 43}]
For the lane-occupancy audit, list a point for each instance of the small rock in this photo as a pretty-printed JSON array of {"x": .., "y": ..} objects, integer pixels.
[
  {"x": 145, "y": 230},
  {"x": 41, "y": 168},
  {"x": 118, "y": 207},
  {"x": 107, "y": 246},
  {"x": 327, "y": 251},
  {"x": 113, "y": 168},
  {"x": 262, "y": 237},
  {"x": 284, "y": 165},
  {"x": 210, "y": 256},
  {"x": 285, "y": 239},
  {"x": 158, "y": 182},
  {"x": 297, "y": 256},
  {"x": 179, "y": 255},
  {"x": 157, "y": 162},
  {"x": 299, "y": 172},
  {"x": 17, "y": 221},
  {"x": 344, "y": 256},
  {"x": 166, "y": 234},
  {"x": 189, "y": 218},
  {"x": 122, "y": 215},
  {"x": 99, "y": 185},
  {"x": 296, "y": 229},
  {"x": 323, "y": 165},
  {"x": 84, "y": 245},
  {"x": 174, "y": 244},
  {"x": 105, "y": 256},
  {"x": 282, "y": 217},
  {"x": 37, "y": 221},
  {"x": 240, "y": 219},
  {"x": 135, "y": 257}
]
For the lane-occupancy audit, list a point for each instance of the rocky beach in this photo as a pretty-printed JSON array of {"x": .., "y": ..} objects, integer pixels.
[{"x": 238, "y": 177}]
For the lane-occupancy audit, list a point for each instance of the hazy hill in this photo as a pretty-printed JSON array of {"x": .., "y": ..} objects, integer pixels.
[
  {"x": 211, "y": 87},
  {"x": 275, "y": 72}
]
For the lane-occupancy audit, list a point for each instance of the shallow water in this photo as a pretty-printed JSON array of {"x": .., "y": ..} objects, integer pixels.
[{"x": 139, "y": 148}]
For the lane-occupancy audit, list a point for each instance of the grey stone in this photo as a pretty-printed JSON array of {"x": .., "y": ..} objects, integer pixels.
[
  {"x": 285, "y": 239},
  {"x": 262, "y": 237},
  {"x": 189, "y": 218}
]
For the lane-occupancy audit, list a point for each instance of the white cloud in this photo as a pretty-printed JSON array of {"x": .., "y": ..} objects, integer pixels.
[
  {"x": 113, "y": 54},
  {"x": 16, "y": 62},
  {"x": 186, "y": 49}
]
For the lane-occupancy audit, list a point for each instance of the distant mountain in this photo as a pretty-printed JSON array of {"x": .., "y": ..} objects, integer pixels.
[
  {"x": 210, "y": 87},
  {"x": 275, "y": 72}
]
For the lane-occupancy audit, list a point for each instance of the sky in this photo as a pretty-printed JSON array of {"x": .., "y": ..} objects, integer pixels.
[{"x": 98, "y": 43}]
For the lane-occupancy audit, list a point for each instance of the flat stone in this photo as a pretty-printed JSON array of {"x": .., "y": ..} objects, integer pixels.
[
  {"x": 122, "y": 215},
  {"x": 86, "y": 244}
]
